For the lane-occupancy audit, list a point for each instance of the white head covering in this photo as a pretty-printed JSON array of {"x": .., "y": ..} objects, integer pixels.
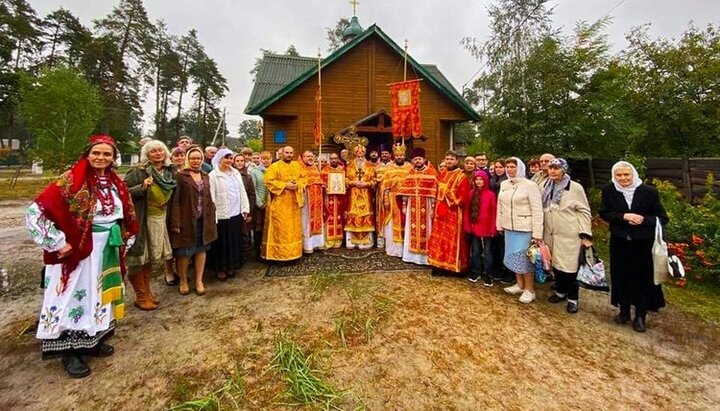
[
  {"x": 629, "y": 191},
  {"x": 520, "y": 170},
  {"x": 219, "y": 156}
]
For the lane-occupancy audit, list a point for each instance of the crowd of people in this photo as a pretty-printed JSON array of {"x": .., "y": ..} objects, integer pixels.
[{"x": 211, "y": 206}]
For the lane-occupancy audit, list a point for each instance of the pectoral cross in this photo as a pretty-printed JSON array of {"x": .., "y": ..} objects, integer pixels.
[
  {"x": 354, "y": 5},
  {"x": 360, "y": 174}
]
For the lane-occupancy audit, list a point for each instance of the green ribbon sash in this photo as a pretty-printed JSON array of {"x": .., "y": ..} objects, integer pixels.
[{"x": 111, "y": 284}]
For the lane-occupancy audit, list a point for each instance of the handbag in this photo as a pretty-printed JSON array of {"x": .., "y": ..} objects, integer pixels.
[
  {"x": 540, "y": 276},
  {"x": 535, "y": 255},
  {"x": 661, "y": 273},
  {"x": 544, "y": 251},
  {"x": 591, "y": 273},
  {"x": 675, "y": 266}
]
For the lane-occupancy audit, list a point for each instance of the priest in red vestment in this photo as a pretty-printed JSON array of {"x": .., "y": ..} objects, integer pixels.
[
  {"x": 389, "y": 209},
  {"x": 448, "y": 248},
  {"x": 417, "y": 197},
  {"x": 334, "y": 201},
  {"x": 312, "y": 211}
]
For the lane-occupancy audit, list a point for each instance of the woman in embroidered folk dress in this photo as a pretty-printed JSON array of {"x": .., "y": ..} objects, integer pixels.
[
  {"x": 632, "y": 209},
  {"x": 151, "y": 186},
  {"x": 192, "y": 220},
  {"x": 520, "y": 217},
  {"x": 231, "y": 208},
  {"x": 83, "y": 221}
]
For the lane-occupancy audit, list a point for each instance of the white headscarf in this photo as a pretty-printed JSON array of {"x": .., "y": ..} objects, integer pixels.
[
  {"x": 219, "y": 156},
  {"x": 520, "y": 170},
  {"x": 629, "y": 191}
]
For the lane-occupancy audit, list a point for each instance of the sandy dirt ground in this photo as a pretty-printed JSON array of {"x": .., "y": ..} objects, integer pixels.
[{"x": 402, "y": 340}]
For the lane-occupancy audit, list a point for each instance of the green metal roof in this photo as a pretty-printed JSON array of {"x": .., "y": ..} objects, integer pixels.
[{"x": 279, "y": 75}]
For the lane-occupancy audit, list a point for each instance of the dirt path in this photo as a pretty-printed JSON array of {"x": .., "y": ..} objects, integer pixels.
[{"x": 411, "y": 341}]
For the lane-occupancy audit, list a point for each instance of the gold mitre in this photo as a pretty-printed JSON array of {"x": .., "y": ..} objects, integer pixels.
[{"x": 399, "y": 149}]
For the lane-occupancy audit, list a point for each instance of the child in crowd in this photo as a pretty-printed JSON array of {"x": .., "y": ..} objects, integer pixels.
[{"x": 479, "y": 222}]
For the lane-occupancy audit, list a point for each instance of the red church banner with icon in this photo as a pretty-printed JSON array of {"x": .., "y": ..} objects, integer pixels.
[{"x": 405, "y": 108}]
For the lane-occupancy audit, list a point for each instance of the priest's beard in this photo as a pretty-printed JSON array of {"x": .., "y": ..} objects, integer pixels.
[
  {"x": 452, "y": 168},
  {"x": 399, "y": 162}
]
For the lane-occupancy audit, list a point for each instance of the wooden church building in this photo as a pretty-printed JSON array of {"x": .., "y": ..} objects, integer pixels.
[{"x": 355, "y": 93}]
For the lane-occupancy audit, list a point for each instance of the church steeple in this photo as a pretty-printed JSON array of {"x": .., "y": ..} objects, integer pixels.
[{"x": 354, "y": 29}]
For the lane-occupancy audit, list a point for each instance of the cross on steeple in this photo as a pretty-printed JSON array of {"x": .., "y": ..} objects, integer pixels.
[{"x": 354, "y": 5}]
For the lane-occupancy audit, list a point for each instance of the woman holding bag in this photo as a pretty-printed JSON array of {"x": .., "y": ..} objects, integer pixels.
[
  {"x": 567, "y": 227},
  {"x": 520, "y": 217},
  {"x": 632, "y": 209}
]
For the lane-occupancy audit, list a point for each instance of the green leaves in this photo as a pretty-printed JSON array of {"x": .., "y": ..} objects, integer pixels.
[
  {"x": 61, "y": 109},
  {"x": 545, "y": 92}
]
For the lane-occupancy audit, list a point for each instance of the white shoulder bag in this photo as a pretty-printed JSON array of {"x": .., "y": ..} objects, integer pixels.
[{"x": 660, "y": 255}]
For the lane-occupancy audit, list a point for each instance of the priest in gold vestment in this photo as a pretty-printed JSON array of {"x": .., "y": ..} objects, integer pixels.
[
  {"x": 282, "y": 236},
  {"x": 360, "y": 180}
]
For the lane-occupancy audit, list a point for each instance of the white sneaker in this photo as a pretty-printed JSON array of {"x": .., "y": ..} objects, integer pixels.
[
  {"x": 513, "y": 289},
  {"x": 527, "y": 297}
]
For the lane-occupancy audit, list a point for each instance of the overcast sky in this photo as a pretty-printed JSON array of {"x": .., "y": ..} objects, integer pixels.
[{"x": 233, "y": 31}]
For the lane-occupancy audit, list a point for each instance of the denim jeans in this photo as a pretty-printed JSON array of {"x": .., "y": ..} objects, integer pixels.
[{"x": 481, "y": 256}]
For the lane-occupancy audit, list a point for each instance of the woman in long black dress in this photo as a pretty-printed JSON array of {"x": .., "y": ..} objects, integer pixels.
[{"x": 632, "y": 209}]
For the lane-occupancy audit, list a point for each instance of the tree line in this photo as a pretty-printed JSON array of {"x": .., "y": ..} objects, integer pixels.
[
  {"x": 123, "y": 58},
  {"x": 540, "y": 91}
]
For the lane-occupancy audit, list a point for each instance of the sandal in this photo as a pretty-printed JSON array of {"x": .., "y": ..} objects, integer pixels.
[
  {"x": 222, "y": 276},
  {"x": 184, "y": 289},
  {"x": 174, "y": 281},
  {"x": 200, "y": 291}
]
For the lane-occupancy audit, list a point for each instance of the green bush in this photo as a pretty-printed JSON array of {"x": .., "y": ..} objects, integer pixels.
[{"x": 693, "y": 232}]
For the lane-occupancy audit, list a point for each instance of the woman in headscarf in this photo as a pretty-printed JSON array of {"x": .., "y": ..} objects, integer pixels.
[
  {"x": 83, "y": 221},
  {"x": 151, "y": 186},
  {"x": 520, "y": 217},
  {"x": 567, "y": 227},
  {"x": 232, "y": 207},
  {"x": 479, "y": 222},
  {"x": 192, "y": 220},
  {"x": 632, "y": 209}
]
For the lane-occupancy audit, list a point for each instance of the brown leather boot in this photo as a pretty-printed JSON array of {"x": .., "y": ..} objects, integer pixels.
[
  {"x": 142, "y": 298},
  {"x": 146, "y": 279}
]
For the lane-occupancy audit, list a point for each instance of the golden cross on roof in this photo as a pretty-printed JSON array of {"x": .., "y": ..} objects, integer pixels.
[{"x": 354, "y": 4}]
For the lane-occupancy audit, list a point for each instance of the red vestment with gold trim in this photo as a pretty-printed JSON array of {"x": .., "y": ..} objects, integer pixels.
[
  {"x": 448, "y": 248},
  {"x": 418, "y": 186},
  {"x": 334, "y": 211}
]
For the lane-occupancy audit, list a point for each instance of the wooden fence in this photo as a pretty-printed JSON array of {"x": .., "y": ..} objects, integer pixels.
[{"x": 689, "y": 175}]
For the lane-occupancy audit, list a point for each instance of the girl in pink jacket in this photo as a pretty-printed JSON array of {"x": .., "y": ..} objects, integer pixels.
[{"x": 479, "y": 222}]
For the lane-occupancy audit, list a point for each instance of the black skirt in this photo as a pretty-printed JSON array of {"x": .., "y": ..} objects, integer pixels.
[
  {"x": 226, "y": 252},
  {"x": 631, "y": 275}
]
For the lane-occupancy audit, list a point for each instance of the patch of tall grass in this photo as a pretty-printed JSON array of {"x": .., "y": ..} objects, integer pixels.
[{"x": 306, "y": 387}]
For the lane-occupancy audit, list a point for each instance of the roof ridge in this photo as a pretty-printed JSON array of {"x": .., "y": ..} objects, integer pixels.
[
  {"x": 288, "y": 56},
  {"x": 440, "y": 83}
]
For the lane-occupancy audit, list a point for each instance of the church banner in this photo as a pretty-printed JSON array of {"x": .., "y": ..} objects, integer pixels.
[{"x": 405, "y": 108}]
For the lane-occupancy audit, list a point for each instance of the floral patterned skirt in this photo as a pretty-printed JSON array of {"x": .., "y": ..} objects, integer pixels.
[
  {"x": 75, "y": 319},
  {"x": 516, "y": 245}
]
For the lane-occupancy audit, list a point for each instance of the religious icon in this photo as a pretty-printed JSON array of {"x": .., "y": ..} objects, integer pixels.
[
  {"x": 336, "y": 182},
  {"x": 404, "y": 97}
]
